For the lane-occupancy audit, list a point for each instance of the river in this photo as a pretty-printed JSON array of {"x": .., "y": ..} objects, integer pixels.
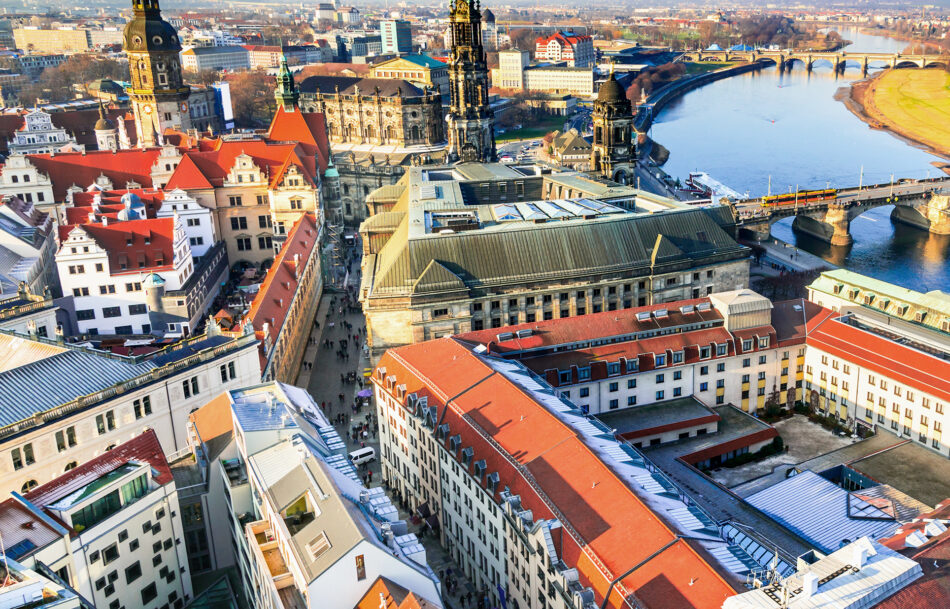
[{"x": 788, "y": 128}]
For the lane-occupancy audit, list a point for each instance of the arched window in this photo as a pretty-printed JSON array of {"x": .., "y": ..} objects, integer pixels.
[
  {"x": 70, "y": 465},
  {"x": 28, "y": 486}
]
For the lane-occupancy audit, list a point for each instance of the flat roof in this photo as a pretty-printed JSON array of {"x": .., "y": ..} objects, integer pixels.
[
  {"x": 911, "y": 469},
  {"x": 678, "y": 413}
]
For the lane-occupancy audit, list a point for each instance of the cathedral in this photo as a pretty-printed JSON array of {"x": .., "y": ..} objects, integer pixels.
[{"x": 470, "y": 119}]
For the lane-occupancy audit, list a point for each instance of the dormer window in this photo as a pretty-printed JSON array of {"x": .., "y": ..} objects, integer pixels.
[
  {"x": 660, "y": 360},
  {"x": 128, "y": 240}
]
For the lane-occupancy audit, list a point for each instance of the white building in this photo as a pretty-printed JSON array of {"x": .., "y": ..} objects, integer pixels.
[
  {"x": 883, "y": 362},
  {"x": 218, "y": 58},
  {"x": 196, "y": 220},
  {"x": 59, "y": 405},
  {"x": 38, "y": 135},
  {"x": 23, "y": 588},
  {"x": 112, "y": 270},
  {"x": 111, "y": 527},
  {"x": 307, "y": 532}
]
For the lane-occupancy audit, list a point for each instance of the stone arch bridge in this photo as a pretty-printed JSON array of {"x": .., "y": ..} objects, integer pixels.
[
  {"x": 924, "y": 204},
  {"x": 838, "y": 60}
]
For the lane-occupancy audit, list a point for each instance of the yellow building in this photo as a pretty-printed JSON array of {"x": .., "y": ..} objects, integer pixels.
[
  {"x": 420, "y": 70},
  {"x": 35, "y": 40}
]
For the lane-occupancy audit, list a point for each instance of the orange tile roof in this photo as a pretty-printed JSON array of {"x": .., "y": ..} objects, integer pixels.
[
  {"x": 213, "y": 420},
  {"x": 273, "y": 299},
  {"x": 393, "y": 596},
  {"x": 82, "y": 168},
  {"x": 608, "y": 527},
  {"x": 187, "y": 176},
  {"x": 886, "y": 357},
  {"x": 158, "y": 253},
  {"x": 307, "y": 128}
]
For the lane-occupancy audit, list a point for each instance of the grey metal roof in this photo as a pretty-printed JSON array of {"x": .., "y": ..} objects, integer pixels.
[
  {"x": 822, "y": 512},
  {"x": 557, "y": 250},
  {"x": 46, "y": 383}
]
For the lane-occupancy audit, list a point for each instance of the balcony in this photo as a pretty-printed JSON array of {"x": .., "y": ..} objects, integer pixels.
[{"x": 234, "y": 470}]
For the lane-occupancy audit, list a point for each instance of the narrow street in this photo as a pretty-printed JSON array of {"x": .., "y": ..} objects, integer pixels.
[{"x": 330, "y": 371}]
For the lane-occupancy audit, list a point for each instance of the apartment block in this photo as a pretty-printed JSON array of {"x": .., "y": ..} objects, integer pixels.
[
  {"x": 65, "y": 404},
  {"x": 537, "y": 501},
  {"x": 111, "y": 528},
  {"x": 304, "y": 530},
  {"x": 729, "y": 348}
]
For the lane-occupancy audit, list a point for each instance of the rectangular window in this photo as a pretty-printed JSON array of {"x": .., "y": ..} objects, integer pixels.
[
  {"x": 632, "y": 400},
  {"x": 614, "y": 404},
  {"x": 142, "y": 407},
  {"x": 110, "y": 553},
  {"x": 239, "y": 223},
  {"x": 632, "y": 384},
  {"x": 149, "y": 593},
  {"x": 585, "y": 392},
  {"x": 660, "y": 395},
  {"x": 613, "y": 387},
  {"x": 244, "y": 244},
  {"x": 137, "y": 309},
  {"x": 234, "y": 201},
  {"x": 133, "y": 572},
  {"x": 111, "y": 312},
  {"x": 704, "y": 386},
  {"x": 660, "y": 378},
  {"x": 265, "y": 243},
  {"x": 85, "y": 314}
]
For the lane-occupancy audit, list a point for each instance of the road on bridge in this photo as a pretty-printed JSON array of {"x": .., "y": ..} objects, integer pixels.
[{"x": 752, "y": 208}]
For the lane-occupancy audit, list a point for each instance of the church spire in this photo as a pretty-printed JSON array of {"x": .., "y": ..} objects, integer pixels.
[{"x": 286, "y": 92}]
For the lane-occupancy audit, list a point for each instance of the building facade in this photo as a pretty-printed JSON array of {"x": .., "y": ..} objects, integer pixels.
[
  {"x": 219, "y": 58},
  {"x": 121, "y": 519},
  {"x": 881, "y": 362},
  {"x": 396, "y": 36},
  {"x": 728, "y": 348},
  {"x": 81, "y": 415},
  {"x": 284, "y": 307},
  {"x": 510, "y": 71},
  {"x": 575, "y": 49},
  {"x": 157, "y": 93},
  {"x": 471, "y": 121},
  {"x": 38, "y": 134},
  {"x": 421, "y": 70},
  {"x": 540, "y": 505},
  {"x": 477, "y": 262}
]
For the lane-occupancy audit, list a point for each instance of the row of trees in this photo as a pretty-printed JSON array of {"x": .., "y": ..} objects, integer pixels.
[
  {"x": 652, "y": 78},
  {"x": 65, "y": 81}
]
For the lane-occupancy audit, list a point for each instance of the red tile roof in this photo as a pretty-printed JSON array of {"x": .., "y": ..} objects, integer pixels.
[
  {"x": 82, "y": 168},
  {"x": 273, "y": 299},
  {"x": 158, "y": 254},
  {"x": 307, "y": 128},
  {"x": 932, "y": 591},
  {"x": 143, "y": 448},
  {"x": 110, "y": 204},
  {"x": 885, "y": 357},
  {"x": 187, "y": 176},
  {"x": 608, "y": 527}
]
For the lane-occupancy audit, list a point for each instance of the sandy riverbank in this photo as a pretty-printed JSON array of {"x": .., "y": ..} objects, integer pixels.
[{"x": 865, "y": 97}]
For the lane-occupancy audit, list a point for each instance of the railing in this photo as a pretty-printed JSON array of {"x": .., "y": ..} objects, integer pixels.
[
  {"x": 26, "y": 308},
  {"x": 154, "y": 374}
]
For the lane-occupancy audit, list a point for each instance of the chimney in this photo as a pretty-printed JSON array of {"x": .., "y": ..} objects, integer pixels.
[
  {"x": 809, "y": 585},
  {"x": 105, "y": 221},
  {"x": 92, "y": 217},
  {"x": 859, "y": 557}
]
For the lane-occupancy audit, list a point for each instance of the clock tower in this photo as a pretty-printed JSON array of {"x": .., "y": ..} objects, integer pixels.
[
  {"x": 470, "y": 120},
  {"x": 158, "y": 96}
]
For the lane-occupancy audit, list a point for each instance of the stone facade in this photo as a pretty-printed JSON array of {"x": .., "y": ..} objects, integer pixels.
[
  {"x": 471, "y": 121},
  {"x": 374, "y": 111}
]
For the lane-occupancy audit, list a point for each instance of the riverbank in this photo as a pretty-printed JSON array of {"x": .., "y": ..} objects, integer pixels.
[{"x": 913, "y": 105}]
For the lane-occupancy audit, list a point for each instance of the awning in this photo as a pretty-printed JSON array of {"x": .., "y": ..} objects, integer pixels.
[
  {"x": 364, "y": 393},
  {"x": 423, "y": 510}
]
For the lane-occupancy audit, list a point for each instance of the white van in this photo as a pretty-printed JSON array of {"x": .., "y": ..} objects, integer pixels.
[{"x": 363, "y": 455}]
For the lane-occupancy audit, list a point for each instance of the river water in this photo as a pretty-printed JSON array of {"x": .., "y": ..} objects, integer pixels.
[{"x": 764, "y": 126}]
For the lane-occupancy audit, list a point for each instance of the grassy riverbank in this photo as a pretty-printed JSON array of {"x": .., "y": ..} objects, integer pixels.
[{"x": 912, "y": 103}]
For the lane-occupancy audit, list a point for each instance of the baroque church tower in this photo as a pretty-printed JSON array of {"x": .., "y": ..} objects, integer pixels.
[
  {"x": 613, "y": 151},
  {"x": 470, "y": 119},
  {"x": 158, "y": 95}
]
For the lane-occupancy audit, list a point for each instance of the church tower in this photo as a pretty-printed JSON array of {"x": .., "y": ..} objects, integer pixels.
[
  {"x": 286, "y": 93},
  {"x": 106, "y": 136},
  {"x": 159, "y": 97},
  {"x": 613, "y": 152},
  {"x": 470, "y": 119}
]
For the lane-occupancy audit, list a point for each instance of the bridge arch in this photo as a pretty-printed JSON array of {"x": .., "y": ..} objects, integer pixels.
[
  {"x": 822, "y": 61},
  {"x": 937, "y": 64},
  {"x": 907, "y": 63}
]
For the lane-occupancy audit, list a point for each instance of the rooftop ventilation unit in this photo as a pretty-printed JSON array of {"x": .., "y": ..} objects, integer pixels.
[
  {"x": 703, "y": 306},
  {"x": 524, "y": 333},
  {"x": 504, "y": 336},
  {"x": 687, "y": 309}
]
